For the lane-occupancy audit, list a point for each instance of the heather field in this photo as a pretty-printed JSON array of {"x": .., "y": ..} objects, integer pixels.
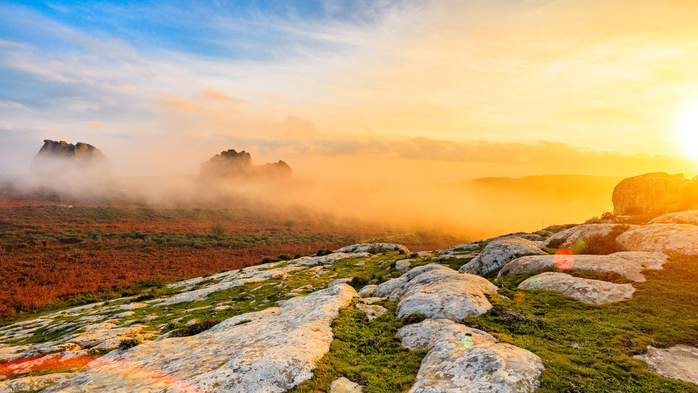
[{"x": 55, "y": 254}]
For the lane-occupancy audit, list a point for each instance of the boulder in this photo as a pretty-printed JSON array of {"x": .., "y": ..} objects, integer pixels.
[
  {"x": 373, "y": 248},
  {"x": 436, "y": 291},
  {"x": 651, "y": 193},
  {"x": 275, "y": 350},
  {"x": 585, "y": 290},
  {"x": 463, "y": 359},
  {"x": 500, "y": 252},
  {"x": 71, "y": 168},
  {"x": 582, "y": 233},
  {"x": 678, "y": 362},
  {"x": 372, "y": 311},
  {"x": 628, "y": 264},
  {"x": 403, "y": 265},
  {"x": 367, "y": 291},
  {"x": 672, "y": 239},
  {"x": 343, "y": 385}
]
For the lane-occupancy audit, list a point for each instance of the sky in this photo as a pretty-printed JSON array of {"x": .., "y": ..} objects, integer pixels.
[{"x": 401, "y": 91}]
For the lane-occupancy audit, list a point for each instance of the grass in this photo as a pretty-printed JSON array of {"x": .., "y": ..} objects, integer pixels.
[
  {"x": 367, "y": 353},
  {"x": 663, "y": 312}
]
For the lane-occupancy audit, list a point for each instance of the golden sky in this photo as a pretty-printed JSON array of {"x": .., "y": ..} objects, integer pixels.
[{"x": 399, "y": 91}]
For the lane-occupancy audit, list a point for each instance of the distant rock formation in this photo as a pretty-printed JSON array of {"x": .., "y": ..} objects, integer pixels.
[
  {"x": 655, "y": 193},
  {"x": 63, "y": 158},
  {"x": 233, "y": 165}
]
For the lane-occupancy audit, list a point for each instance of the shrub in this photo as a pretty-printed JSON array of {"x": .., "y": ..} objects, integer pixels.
[
  {"x": 195, "y": 328},
  {"x": 413, "y": 318},
  {"x": 599, "y": 244},
  {"x": 285, "y": 257},
  {"x": 268, "y": 260},
  {"x": 129, "y": 343},
  {"x": 357, "y": 282}
]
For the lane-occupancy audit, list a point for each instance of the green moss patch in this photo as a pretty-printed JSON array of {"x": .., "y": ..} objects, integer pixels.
[{"x": 367, "y": 353}]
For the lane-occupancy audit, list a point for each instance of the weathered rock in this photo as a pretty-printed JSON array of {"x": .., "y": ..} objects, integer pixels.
[
  {"x": 271, "y": 353},
  {"x": 33, "y": 383},
  {"x": 372, "y": 311},
  {"x": 367, "y": 291},
  {"x": 685, "y": 217},
  {"x": 628, "y": 264},
  {"x": 672, "y": 239},
  {"x": 374, "y": 248},
  {"x": 436, "y": 291},
  {"x": 569, "y": 237},
  {"x": 463, "y": 359},
  {"x": 588, "y": 291},
  {"x": 403, "y": 265},
  {"x": 678, "y": 362},
  {"x": 651, "y": 193},
  {"x": 231, "y": 164},
  {"x": 464, "y": 247},
  {"x": 500, "y": 252},
  {"x": 343, "y": 385}
]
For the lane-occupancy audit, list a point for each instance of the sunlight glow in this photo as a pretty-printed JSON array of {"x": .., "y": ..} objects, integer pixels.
[{"x": 687, "y": 128}]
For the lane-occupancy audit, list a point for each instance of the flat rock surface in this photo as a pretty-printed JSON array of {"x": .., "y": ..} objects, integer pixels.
[
  {"x": 372, "y": 311},
  {"x": 628, "y": 264},
  {"x": 678, "y": 362},
  {"x": 672, "y": 239},
  {"x": 588, "y": 291},
  {"x": 500, "y": 252},
  {"x": 343, "y": 385},
  {"x": 276, "y": 350},
  {"x": 436, "y": 291},
  {"x": 374, "y": 248},
  {"x": 463, "y": 359}
]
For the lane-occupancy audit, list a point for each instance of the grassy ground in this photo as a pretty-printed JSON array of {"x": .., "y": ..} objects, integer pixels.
[
  {"x": 663, "y": 312},
  {"x": 367, "y": 353}
]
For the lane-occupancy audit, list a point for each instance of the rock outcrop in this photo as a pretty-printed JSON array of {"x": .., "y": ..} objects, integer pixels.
[
  {"x": 651, "y": 193},
  {"x": 233, "y": 165},
  {"x": 463, "y": 359},
  {"x": 436, "y": 291},
  {"x": 672, "y": 239},
  {"x": 678, "y": 362},
  {"x": 272, "y": 351},
  {"x": 65, "y": 166},
  {"x": 685, "y": 217},
  {"x": 343, "y": 385},
  {"x": 628, "y": 264},
  {"x": 588, "y": 291},
  {"x": 500, "y": 252}
]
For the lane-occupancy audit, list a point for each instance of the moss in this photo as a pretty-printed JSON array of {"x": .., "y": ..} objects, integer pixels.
[
  {"x": 663, "y": 312},
  {"x": 195, "y": 328},
  {"x": 367, "y": 353}
]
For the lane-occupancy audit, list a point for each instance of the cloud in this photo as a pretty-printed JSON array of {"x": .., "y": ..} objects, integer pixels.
[
  {"x": 12, "y": 105},
  {"x": 96, "y": 124},
  {"x": 215, "y": 95}
]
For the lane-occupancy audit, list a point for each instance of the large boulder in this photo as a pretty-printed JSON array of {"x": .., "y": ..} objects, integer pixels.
[
  {"x": 373, "y": 248},
  {"x": 678, "y": 362},
  {"x": 672, "y": 239},
  {"x": 651, "y": 193},
  {"x": 267, "y": 351},
  {"x": 500, "y": 252},
  {"x": 436, "y": 291},
  {"x": 628, "y": 264},
  {"x": 588, "y": 291},
  {"x": 463, "y": 359}
]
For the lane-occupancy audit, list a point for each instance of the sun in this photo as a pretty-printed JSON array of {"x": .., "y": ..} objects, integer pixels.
[{"x": 687, "y": 128}]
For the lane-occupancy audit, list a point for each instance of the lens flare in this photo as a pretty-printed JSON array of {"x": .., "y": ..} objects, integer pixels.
[{"x": 563, "y": 259}]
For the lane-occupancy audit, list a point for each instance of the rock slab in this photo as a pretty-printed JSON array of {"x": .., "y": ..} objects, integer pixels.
[
  {"x": 628, "y": 264},
  {"x": 585, "y": 290},
  {"x": 436, "y": 291},
  {"x": 500, "y": 252},
  {"x": 273, "y": 351},
  {"x": 678, "y": 362},
  {"x": 672, "y": 239},
  {"x": 463, "y": 359}
]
